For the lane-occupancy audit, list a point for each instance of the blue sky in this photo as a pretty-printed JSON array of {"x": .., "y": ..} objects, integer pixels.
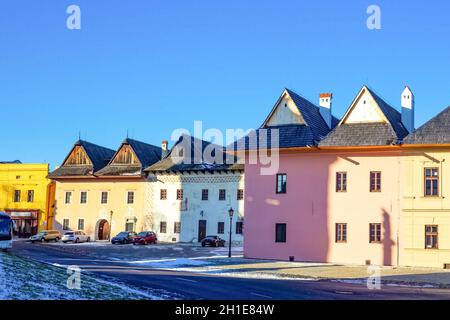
[{"x": 150, "y": 67}]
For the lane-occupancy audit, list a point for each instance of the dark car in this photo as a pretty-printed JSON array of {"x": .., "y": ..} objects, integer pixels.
[
  {"x": 124, "y": 238},
  {"x": 213, "y": 241},
  {"x": 145, "y": 237}
]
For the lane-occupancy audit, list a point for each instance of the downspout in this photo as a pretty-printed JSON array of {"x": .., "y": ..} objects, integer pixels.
[
  {"x": 400, "y": 209},
  {"x": 399, "y": 201}
]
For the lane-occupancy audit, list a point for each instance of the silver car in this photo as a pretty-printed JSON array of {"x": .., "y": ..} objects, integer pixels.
[
  {"x": 46, "y": 235},
  {"x": 75, "y": 237}
]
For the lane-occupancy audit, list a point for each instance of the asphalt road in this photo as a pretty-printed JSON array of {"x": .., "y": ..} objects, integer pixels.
[{"x": 187, "y": 285}]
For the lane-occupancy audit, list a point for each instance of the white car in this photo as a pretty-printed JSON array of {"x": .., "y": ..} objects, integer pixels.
[{"x": 75, "y": 237}]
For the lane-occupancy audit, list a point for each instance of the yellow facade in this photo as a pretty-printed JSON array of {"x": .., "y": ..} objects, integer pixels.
[
  {"x": 27, "y": 195},
  {"x": 95, "y": 215},
  {"x": 421, "y": 210}
]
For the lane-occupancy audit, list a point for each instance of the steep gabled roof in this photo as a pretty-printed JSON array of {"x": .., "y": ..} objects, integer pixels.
[
  {"x": 394, "y": 117},
  {"x": 147, "y": 155},
  {"x": 434, "y": 131},
  {"x": 99, "y": 157},
  {"x": 304, "y": 134},
  {"x": 392, "y": 131},
  {"x": 312, "y": 116},
  {"x": 195, "y": 161}
]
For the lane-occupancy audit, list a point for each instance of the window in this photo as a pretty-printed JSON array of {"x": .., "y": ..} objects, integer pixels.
[
  {"x": 375, "y": 181},
  {"x": 341, "y": 181},
  {"x": 221, "y": 227},
  {"x": 280, "y": 232},
  {"x": 80, "y": 224},
  {"x": 177, "y": 227},
  {"x": 341, "y": 232},
  {"x": 163, "y": 227},
  {"x": 163, "y": 194},
  {"x": 104, "y": 197},
  {"x": 431, "y": 182},
  {"x": 30, "y": 196},
  {"x": 239, "y": 227},
  {"x": 65, "y": 224},
  {"x": 179, "y": 194},
  {"x": 129, "y": 226},
  {"x": 281, "y": 183},
  {"x": 431, "y": 237},
  {"x": 375, "y": 233},
  {"x": 204, "y": 194},
  {"x": 16, "y": 195},
  {"x": 222, "y": 194},
  {"x": 68, "y": 198},
  {"x": 240, "y": 194},
  {"x": 83, "y": 197},
  {"x": 130, "y": 197}
]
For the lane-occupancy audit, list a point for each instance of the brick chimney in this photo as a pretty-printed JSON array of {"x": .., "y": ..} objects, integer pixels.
[
  {"x": 165, "y": 148},
  {"x": 325, "y": 107}
]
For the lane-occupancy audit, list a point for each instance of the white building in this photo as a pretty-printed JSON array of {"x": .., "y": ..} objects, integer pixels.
[{"x": 191, "y": 199}]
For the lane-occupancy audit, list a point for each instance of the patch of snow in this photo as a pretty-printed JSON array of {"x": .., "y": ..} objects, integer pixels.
[{"x": 169, "y": 263}]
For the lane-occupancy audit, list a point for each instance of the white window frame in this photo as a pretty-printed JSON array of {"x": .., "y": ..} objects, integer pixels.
[
  {"x": 65, "y": 197},
  {"x": 101, "y": 197},
  {"x": 78, "y": 224},
  {"x": 134, "y": 197},
  {"x": 87, "y": 197}
]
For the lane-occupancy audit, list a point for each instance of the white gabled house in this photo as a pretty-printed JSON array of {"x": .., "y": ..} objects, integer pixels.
[{"x": 190, "y": 195}]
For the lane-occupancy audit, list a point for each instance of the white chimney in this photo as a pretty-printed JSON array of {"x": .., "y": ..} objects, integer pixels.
[
  {"x": 325, "y": 107},
  {"x": 164, "y": 147},
  {"x": 408, "y": 109}
]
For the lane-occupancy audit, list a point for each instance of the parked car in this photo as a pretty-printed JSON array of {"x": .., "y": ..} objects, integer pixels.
[
  {"x": 213, "y": 241},
  {"x": 124, "y": 237},
  {"x": 75, "y": 237},
  {"x": 47, "y": 235},
  {"x": 145, "y": 237}
]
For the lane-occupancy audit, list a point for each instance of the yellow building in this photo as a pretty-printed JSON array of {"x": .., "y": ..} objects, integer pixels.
[
  {"x": 101, "y": 192},
  {"x": 27, "y": 196},
  {"x": 425, "y": 219}
]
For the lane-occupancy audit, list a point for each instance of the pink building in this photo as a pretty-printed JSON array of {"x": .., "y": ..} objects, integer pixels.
[{"x": 336, "y": 195}]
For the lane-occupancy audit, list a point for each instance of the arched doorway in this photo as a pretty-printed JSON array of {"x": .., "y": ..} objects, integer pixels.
[{"x": 103, "y": 230}]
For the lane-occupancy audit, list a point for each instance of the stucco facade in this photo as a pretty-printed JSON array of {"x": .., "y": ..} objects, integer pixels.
[
  {"x": 420, "y": 210},
  {"x": 27, "y": 196},
  {"x": 192, "y": 210},
  {"x": 311, "y": 208},
  {"x": 94, "y": 213}
]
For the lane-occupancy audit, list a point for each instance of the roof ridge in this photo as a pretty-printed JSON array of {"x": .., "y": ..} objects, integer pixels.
[
  {"x": 433, "y": 118},
  {"x": 141, "y": 142}
]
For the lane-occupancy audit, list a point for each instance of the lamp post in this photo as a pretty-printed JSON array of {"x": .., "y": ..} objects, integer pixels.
[
  {"x": 110, "y": 224},
  {"x": 230, "y": 212}
]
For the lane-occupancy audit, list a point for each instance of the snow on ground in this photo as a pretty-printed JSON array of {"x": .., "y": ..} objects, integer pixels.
[
  {"x": 214, "y": 265},
  {"x": 22, "y": 279},
  {"x": 364, "y": 282},
  {"x": 169, "y": 263}
]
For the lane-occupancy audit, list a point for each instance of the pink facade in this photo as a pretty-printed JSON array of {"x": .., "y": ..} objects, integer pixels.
[{"x": 311, "y": 207}]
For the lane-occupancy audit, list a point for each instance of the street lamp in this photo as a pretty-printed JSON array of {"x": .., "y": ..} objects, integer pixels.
[
  {"x": 110, "y": 224},
  {"x": 230, "y": 212}
]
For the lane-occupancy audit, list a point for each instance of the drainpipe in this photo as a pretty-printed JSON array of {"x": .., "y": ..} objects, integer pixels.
[{"x": 400, "y": 208}]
